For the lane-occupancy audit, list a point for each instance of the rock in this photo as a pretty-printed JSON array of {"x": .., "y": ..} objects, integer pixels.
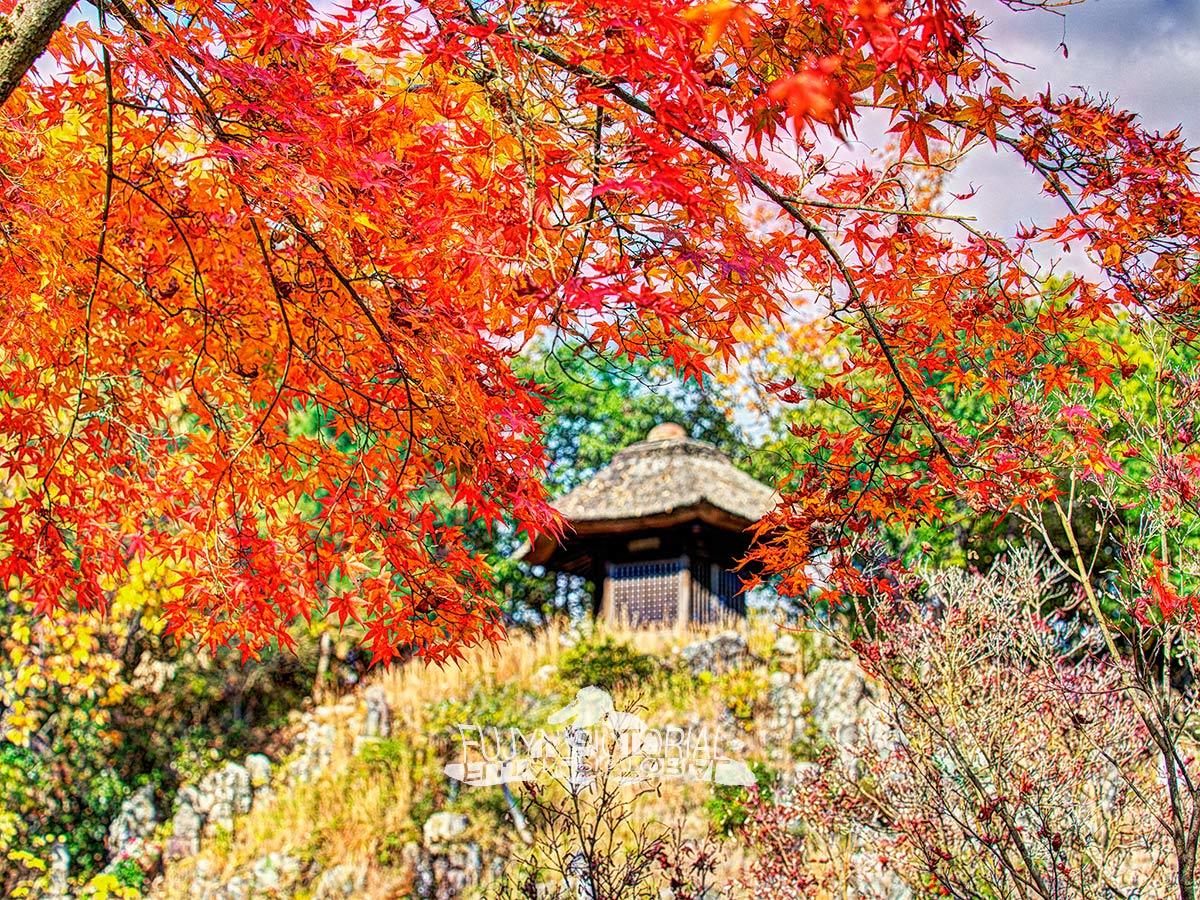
[
  {"x": 410, "y": 855},
  {"x": 836, "y": 691},
  {"x": 59, "y": 887},
  {"x": 786, "y": 702},
  {"x": 446, "y": 875},
  {"x": 204, "y": 882},
  {"x": 725, "y": 652},
  {"x": 377, "y": 723},
  {"x": 786, "y": 645},
  {"x": 786, "y": 716},
  {"x": 545, "y": 673},
  {"x": 222, "y": 795},
  {"x": 315, "y": 751},
  {"x": 844, "y": 710},
  {"x": 379, "y": 715},
  {"x": 444, "y": 828},
  {"x": 779, "y": 680},
  {"x": 258, "y": 767},
  {"x": 237, "y": 888},
  {"x": 274, "y": 873},
  {"x": 345, "y": 880},
  {"x": 134, "y": 823},
  {"x": 186, "y": 825}
]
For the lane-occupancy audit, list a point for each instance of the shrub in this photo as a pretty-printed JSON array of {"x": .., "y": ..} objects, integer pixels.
[
  {"x": 729, "y": 807},
  {"x": 1007, "y": 761},
  {"x": 742, "y": 691},
  {"x": 495, "y": 706},
  {"x": 607, "y": 664},
  {"x": 129, "y": 874}
]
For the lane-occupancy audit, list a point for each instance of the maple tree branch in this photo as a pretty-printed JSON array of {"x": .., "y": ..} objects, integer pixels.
[
  {"x": 365, "y": 308},
  {"x": 287, "y": 327},
  {"x": 881, "y": 210},
  {"x": 597, "y": 145},
  {"x": 198, "y": 291},
  {"x": 1119, "y": 272},
  {"x": 214, "y": 120},
  {"x": 24, "y": 34},
  {"x": 787, "y": 204},
  {"x": 130, "y": 18},
  {"x": 105, "y": 211},
  {"x": 876, "y": 462}
]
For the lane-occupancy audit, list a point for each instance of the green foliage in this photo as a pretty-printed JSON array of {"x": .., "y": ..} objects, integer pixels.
[
  {"x": 483, "y": 805},
  {"x": 387, "y": 754},
  {"x": 397, "y": 761},
  {"x": 606, "y": 663},
  {"x": 496, "y": 706},
  {"x": 808, "y": 743},
  {"x": 129, "y": 874},
  {"x": 742, "y": 691},
  {"x": 68, "y": 787},
  {"x": 390, "y": 851},
  {"x": 389, "y": 789},
  {"x": 159, "y": 714},
  {"x": 222, "y": 841},
  {"x": 679, "y": 689},
  {"x": 729, "y": 806},
  {"x": 597, "y": 406}
]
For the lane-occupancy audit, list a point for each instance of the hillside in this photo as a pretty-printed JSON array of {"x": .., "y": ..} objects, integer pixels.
[
  {"x": 359, "y": 806},
  {"x": 748, "y": 763}
]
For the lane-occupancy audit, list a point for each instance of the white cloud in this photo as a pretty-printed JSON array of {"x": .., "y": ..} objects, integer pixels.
[{"x": 1145, "y": 54}]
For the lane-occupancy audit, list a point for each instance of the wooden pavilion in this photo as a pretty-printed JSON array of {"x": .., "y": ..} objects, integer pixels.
[{"x": 659, "y": 532}]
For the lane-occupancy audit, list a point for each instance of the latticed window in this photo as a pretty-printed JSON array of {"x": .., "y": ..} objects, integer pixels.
[
  {"x": 715, "y": 595},
  {"x": 646, "y": 593}
]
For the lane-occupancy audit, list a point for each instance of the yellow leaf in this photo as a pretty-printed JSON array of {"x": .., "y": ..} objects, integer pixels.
[{"x": 715, "y": 16}]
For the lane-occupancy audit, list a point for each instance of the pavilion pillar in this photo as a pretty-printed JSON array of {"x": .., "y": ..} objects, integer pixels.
[
  {"x": 606, "y": 597},
  {"x": 683, "y": 616}
]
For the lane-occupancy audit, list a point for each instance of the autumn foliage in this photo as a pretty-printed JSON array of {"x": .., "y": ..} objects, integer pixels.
[{"x": 267, "y": 266}]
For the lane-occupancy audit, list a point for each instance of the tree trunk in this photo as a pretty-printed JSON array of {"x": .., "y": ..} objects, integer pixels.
[
  {"x": 24, "y": 34},
  {"x": 324, "y": 657}
]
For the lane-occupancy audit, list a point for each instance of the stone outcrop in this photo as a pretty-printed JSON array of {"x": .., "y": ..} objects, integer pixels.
[
  {"x": 838, "y": 694},
  {"x": 315, "y": 751},
  {"x": 258, "y": 767},
  {"x": 786, "y": 645},
  {"x": 346, "y": 880},
  {"x": 443, "y": 828},
  {"x": 444, "y": 867},
  {"x": 378, "y": 723},
  {"x": 833, "y": 704},
  {"x": 222, "y": 795},
  {"x": 134, "y": 823},
  {"x": 723, "y": 653},
  {"x": 187, "y": 825}
]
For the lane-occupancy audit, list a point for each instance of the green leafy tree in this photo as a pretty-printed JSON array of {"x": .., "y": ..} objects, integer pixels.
[{"x": 595, "y": 407}]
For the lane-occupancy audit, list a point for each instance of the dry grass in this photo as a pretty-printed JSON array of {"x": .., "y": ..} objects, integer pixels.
[{"x": 360, "y": 810}]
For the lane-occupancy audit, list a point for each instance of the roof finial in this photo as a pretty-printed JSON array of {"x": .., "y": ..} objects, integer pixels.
[{"x": 667, "y": 431}]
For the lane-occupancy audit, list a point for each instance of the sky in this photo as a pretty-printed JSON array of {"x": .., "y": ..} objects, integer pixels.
[{"x": 1145, "y": 54}]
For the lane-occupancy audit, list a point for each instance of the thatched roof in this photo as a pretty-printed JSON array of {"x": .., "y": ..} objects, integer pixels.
[{"x": 661, "y": 481}]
